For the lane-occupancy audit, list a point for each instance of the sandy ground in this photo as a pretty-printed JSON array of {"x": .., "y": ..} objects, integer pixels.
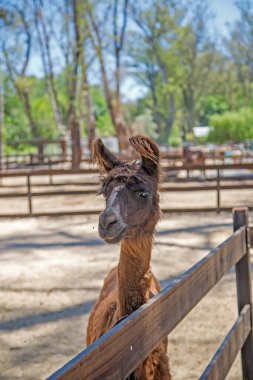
[{"x": 51, "y": 270}]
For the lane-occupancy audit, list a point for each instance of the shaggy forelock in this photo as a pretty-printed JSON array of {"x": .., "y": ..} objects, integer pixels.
[{"x": 129, "y": 173}]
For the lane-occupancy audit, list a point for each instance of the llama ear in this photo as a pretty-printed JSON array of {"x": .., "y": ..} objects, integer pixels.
[
  {"x": 149, "y": 153},
  {"x": 104, "y": 158}
]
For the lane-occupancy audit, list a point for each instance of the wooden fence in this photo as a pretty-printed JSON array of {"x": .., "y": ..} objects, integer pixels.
[
  {"x": 213, "y": 184},
  {"x": 14, "y": 161},
  {"x": 117, "y": 353}
]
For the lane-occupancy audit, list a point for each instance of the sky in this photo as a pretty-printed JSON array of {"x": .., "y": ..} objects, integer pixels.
[{"x": 225, "y": 12}]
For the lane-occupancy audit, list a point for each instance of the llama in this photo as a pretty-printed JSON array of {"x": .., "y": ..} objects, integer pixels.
[
  {"x": 196, "y": 157},
  {"x": 193, "y": 157},
  {"x": 130, "y": 216}
]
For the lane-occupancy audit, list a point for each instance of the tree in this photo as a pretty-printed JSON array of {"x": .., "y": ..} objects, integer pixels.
[
  {"x": 155, "y": 59},
  {"x": 81, "y": 42},
  {"x": 240, "y": 47},
  {"x": 97, "y": 15},
  {"x": 44, "y": 45},
  {"x": 197, "y": 57},
  {"x": 17, "y": 37}
]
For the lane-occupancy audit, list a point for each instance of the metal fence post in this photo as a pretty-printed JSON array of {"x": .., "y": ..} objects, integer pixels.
[{"x": 244, "y": 291}]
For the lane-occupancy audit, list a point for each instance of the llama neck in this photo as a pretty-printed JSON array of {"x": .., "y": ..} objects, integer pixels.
[{"x": 134, "y": 273}]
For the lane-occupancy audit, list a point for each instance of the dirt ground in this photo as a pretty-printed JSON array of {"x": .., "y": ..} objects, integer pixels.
[{"x": 51, "y": 270}]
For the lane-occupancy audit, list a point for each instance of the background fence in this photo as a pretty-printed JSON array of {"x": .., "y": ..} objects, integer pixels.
[{"x": 87, "y": 184}]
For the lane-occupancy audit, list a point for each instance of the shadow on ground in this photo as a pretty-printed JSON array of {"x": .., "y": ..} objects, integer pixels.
[{"x": 52, "y": 316}]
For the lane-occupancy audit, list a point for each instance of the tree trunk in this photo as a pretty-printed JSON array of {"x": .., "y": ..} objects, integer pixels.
[
  {"x": 156, "y": 113},
  {"x": 50, "y": 77},
  {"x": 73, "y": 123},
  {"x": 91, "y": 122},
  {"x": 122, "y": 133},
  {"x": 113, "y": 102},
  {"x": 75, "y": 133},
  {"x": 91, "y": 130},
  {"x": 191, "y": 115},
  {"x": 189, "y": 103},
  {"x": 120, "y": 125},
  {"x": 169, "y": 118}
]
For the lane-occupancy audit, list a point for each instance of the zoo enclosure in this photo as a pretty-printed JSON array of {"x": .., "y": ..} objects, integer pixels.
[
  {"x": 31, "y": 193},
  {"x": 118, "y": 352}
]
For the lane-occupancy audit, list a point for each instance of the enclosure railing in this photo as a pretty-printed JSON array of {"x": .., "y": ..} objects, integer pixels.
[
  {"x": 30, "y": 193},
  {"x": 118, "y": 353},
  {"x": 15, "y": 160}
]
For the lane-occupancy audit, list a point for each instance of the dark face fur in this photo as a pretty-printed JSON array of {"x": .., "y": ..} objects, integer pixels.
[{"x": 130, "y": 191}]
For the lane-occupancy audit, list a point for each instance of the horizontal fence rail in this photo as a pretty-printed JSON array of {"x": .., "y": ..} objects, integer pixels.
[
  {"x": 117, "y": 353},
  {"x": 90, "y": 187},
  {"x": 13, "y": 161}
]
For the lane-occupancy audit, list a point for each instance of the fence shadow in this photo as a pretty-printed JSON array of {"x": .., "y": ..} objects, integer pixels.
[{"x": 46, "y": 317}]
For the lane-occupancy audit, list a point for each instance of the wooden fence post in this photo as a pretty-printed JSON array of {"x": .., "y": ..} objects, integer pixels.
[
  {"x": 218, "y": 191},
  {"x": 50, "y": 173},
  {"x": 244, "y": 291},
  {"x": 29, "y": 194}
]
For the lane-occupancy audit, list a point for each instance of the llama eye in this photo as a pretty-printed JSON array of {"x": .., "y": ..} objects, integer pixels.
[{"x": 143, "y": 194}]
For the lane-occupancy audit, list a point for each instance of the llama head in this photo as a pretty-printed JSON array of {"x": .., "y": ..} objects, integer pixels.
[{"x": 130, "y": 190}]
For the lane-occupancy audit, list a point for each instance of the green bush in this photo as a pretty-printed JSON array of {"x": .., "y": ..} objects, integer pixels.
[
  {"x": 231, "y": 126},
  {"x": 211, "y": 105}
]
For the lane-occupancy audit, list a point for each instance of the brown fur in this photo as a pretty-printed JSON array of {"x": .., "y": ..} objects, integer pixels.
[{"x": 130, "y": 284}]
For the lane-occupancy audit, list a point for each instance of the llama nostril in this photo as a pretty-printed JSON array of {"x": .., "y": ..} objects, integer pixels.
[
  {"x": 110, "y": 220},
  {"x": 107, "y": 220},
  {"x": 111, "y": 223}
]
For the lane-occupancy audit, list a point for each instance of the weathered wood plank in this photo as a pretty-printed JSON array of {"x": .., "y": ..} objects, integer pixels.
[
  {"x": 244, "y": 291},
  {"x": 116, "y": 354},
  {"x": 224, "y": 357}
]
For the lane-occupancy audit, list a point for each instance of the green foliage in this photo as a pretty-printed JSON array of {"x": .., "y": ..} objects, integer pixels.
[
  {"x": 232, "y": 126},
  {"x": 211, "y": 105},
  {"x": 26, "y": 84},
  {"x": 16, "y": 126},
  {"x": 103, "y": 119},
  {"x": 43, "y": 116},
  {"x": 175, "y": 139}
]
